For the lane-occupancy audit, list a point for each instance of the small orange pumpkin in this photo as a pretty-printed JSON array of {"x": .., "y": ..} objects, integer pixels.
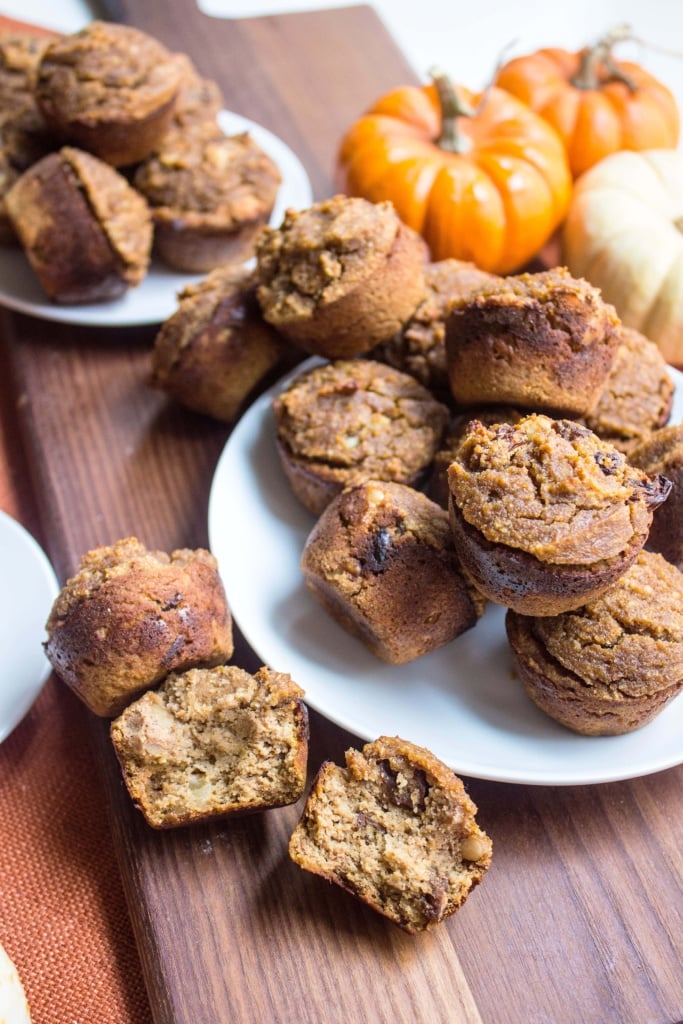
[
  {"x": 481, "y": 177},
  {"x": 597, "y": 104}
]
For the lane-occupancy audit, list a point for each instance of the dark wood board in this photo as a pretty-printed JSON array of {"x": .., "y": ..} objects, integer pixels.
[{"x": 579, "y": 919}]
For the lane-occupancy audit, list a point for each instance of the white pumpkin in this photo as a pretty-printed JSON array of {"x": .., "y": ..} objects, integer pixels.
[{"x": 624, "y": 234}]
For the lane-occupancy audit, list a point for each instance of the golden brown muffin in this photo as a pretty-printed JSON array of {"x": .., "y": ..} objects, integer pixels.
[
  {"x": 381, "y": 562},
  {"x": 85, "y": 231},
  {"x": 199, "y": 99},
  {"x": 349, "y": 420},
  {"x": 109, "y": 89},
  {"x": 419, "y": 348},
  {"x": 217, "y": 349},
  {"x": 213, "y": 742},
  {"x": 612, "y": 665},
  {"x": 130, "y": 616},
  {"x": 662, "y": 454},
  {"x": 637, "y": 396},
  {"x": 543, "y": 342},
  {"x": 210, "y": 196},
  {"x": 340, "y": 277},
  {"x": 545, "y": 515},
  {"x": 395, "y": 828}
]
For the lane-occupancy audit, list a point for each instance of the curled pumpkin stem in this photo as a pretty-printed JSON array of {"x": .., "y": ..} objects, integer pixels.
[
  {"x": 453, "y": 107},
  {"x": 598, "y": 64}
]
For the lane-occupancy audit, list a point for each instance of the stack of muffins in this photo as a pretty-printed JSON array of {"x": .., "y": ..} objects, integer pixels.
[
  {"x": 110, "y": 145},
  {"x": 470, "y": 438}
]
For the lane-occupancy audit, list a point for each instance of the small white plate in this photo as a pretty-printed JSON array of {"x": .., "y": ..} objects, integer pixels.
[
  {"x": 155, "y": 298},
  {"x": 29, "y": 587},
  {"x": 463, "y": 702}
]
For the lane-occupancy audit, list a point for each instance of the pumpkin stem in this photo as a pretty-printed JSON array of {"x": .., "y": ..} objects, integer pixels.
[
  {"x": 598, "y": 59},
  {"x": 453, "y": 107}
]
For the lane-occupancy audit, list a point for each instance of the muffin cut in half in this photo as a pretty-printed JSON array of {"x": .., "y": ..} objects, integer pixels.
[
  {"x": 351, "y": 420},
  {"x": 395, "y": 828},
  {"x": 213, "y": 742},
  {"x": 129, "y": 616},
  {"x": 341, "y": 276},
  {"x": 86, "y": 232},
  {"x": 381, "y": 562},
  {"x": 545, "y": 515},
  {"x": 612, "y": 665},
  {"x": 543, "y": 342}
]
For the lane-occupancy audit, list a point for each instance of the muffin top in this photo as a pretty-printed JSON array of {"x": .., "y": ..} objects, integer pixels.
[
  {"x": 319, "y": 254},
  {"x": 631, "y": 638},
  {"x": 661, "y": 451},
  {"x": 106, "y": 72},
  {"x": 20, "y": 56},
  {"x": 225, "y": 179},
  {"x": 360, "y": 418},
  {"x": 551, "y": 488}
]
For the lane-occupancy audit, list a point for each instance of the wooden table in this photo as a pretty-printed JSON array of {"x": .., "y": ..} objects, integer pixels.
[{"x": 579, "y": 920}]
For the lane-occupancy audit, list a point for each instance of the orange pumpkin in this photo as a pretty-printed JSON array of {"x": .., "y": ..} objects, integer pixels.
[
  {"x": 597, "y": 104},
  {"x": 482, "y": 178}
]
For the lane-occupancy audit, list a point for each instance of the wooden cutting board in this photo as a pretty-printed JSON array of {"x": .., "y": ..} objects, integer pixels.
[{"x": 579, "y": 919}]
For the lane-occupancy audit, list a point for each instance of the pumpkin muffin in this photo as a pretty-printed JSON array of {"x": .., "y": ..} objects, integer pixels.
[
  {"x": 212, "y": 742},
  {"x": 543, "y": 342},
  {"x": 546, "y": 516},
  {"x": 348, "y": 420},
  {"x": 419, "y": 348},
  {"x": 86, "y": 232},
  {"x": 340, "y": 277},
  {"x": 109, "y": 89},
  {"x": 395, "y": 828},
  {"x": 216, "y": 349},
  {"x": 662, "y": 454},
  {"x": 381, "y": 562},
  {"x": 637, "y": 396},
  {"x": 199, "y": 99},
  {"x": 130, "y": 616},
  {"x": 612, "y": 665}
]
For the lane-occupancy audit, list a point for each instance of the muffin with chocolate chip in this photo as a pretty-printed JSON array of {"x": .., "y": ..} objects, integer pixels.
[
  {"x": 351, "y": 419},
  {"x": 395, "y": 828},
  {"x": 546, "y": 516},
  {"x": 612, "y": 665}
]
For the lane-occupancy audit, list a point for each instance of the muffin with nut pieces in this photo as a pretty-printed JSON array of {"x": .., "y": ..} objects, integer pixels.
[
  {"x": 396, "y": 828},
  {"x": 340, "y": 277},
  {"x": 130, "y": 615},
  {"x": 545, "y": 515},
  {"x": 544, "y": 342},
  {"x": 348, "y": 420},
  {"x": 612, "y": 665},
  {"x": 212, "y": 742},
  {"x": 381, "y": 561}
]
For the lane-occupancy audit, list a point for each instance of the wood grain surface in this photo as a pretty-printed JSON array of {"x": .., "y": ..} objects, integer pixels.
[{"x": 580, "y": 918}]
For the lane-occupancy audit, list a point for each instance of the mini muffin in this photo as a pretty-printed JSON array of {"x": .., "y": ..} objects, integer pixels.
[
  {"x": 612, "y": 665},
  {"x": 350, "y": 420},
  {"x": 109, "y": 89},
  {"x": 543, "y": 342},
  {"x": 662, "y": 453},
  {"x": 380, "y": 560},
  {"x": 437, "y": 487},
  {"x": 85, "y": 231},
  {"x": 637, "y": 396},
  {"x": 213, "y": 742},
  {"x": 216, "y": 349},
  {"x": 546, "y": 516},
  {"x": 340, "y": 277},
  {"x": 395, "y": 828},
  {"x": 419, "y": 348},
  {"x": 130, "y": 616},
  {"x": 210, "y": 196}
]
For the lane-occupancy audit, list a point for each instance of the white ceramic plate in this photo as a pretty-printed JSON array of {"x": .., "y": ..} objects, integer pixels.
[
  {"x": 463, "y": 702},
  {"x": 29, "y": 588},
  {"x": 155, "y": 299}
]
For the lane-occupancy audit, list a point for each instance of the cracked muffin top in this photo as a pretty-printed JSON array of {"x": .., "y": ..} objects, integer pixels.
[
  {"x": 631, "y": 638},
  {"x": 551, "y": 488}
]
